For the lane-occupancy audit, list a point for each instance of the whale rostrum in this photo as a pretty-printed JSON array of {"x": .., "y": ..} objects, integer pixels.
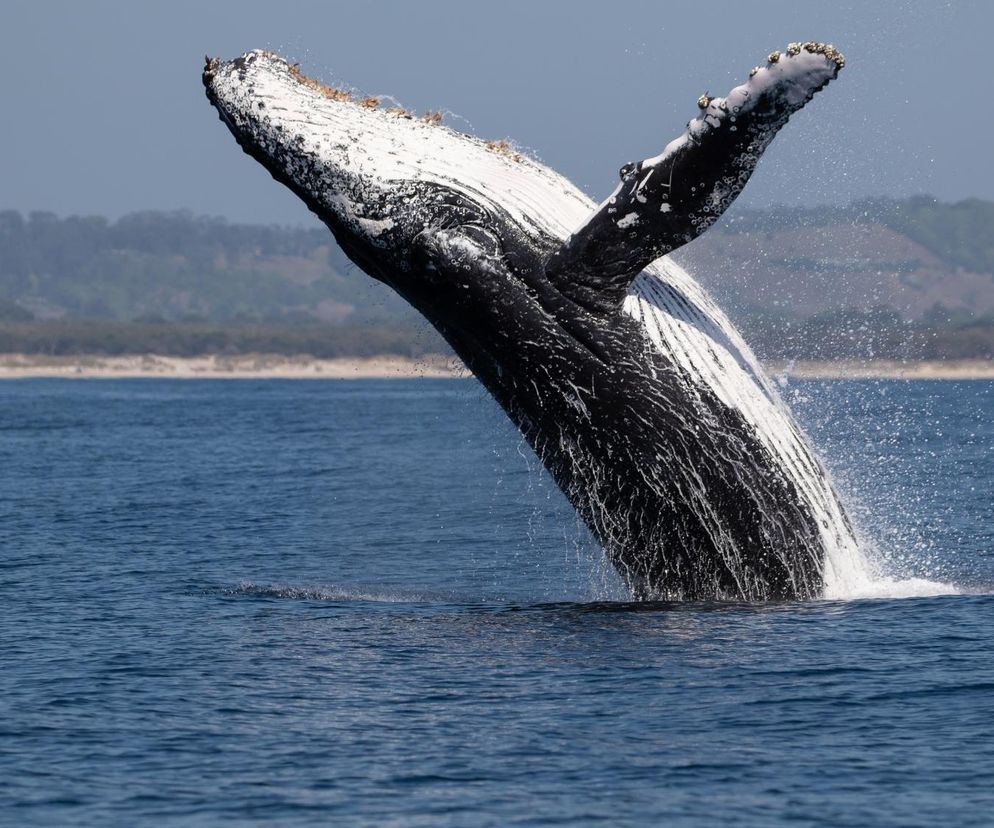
[{"x": 630, "y": 384}]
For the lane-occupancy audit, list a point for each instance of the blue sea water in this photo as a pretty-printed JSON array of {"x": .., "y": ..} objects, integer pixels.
[{"x": 362, "y": 603}]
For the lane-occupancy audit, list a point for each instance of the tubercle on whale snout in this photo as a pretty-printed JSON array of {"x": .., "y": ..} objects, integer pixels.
[
  {"x": 432, "y": 117},
  {"x": 333, "y": 93}
]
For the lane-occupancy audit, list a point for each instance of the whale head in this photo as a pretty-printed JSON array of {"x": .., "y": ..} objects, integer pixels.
[{"x": 388, "y": 183}]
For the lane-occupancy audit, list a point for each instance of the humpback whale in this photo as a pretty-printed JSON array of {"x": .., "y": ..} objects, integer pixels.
[{"x": 633, "y": 388}]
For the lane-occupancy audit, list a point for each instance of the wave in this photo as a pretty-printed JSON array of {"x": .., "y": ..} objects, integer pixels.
[
  {"x": 862, "y": 586},
  {"x": 248, "y": 589}
]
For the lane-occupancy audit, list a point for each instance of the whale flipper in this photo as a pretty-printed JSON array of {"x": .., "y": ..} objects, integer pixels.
[{"x": 666, "y": 201}]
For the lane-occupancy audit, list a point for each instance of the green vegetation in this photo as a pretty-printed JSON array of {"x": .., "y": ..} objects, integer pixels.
[
  {"x": 915, "y": 282},
  {"x": 877, "y": 333},
  {"x": 12, "y": 312},
  {"x": 177, "y": 266},
  {"x": 67, "y": 337},
  {"x": 961, "y": 234}
]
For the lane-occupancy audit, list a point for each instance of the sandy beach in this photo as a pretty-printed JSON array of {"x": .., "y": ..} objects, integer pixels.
[
  {"x": 247, "y": 366},
  {"x": 256, "y": 366},
  {"x": 961, "y": 369}
]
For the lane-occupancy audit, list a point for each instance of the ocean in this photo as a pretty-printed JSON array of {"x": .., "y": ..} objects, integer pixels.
[{"x": 363, "y": 603}]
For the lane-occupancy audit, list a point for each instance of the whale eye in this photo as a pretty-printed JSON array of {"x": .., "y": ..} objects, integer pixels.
[{"x": 627, "y": 170}]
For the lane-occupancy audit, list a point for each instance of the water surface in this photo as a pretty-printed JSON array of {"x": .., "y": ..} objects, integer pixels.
[{"x": 301, "y": 603}]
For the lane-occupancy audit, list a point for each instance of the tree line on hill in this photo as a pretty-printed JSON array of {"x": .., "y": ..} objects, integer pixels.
[
  {"x": 961, "y": 233},
  {"x": 876, "y": 333},
  {"x": 181, "y": 284},
  {"x": 70, "y": 337},
  {"x": 177, "y": 266}
]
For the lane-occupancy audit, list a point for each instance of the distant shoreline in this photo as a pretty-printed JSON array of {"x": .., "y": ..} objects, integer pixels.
[
  {"x": 276, "y": 366},
  {"x": 953, "y": 369},
  {"x": 241, "y": 366}
]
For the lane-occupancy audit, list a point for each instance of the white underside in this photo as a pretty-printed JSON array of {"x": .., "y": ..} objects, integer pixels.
[{"x": 382, "y": 148}]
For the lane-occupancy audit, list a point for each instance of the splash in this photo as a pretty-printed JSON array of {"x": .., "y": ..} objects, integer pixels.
[
  {"x": 884, "y": 587},
  {"x": 857, "y": 578}
]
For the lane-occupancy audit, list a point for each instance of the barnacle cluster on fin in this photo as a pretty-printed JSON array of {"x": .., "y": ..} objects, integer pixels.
[
  {"x": 826, "y": 49},
  {"x": 792, "y": 50},
  {"x": 815, "y": 48}
]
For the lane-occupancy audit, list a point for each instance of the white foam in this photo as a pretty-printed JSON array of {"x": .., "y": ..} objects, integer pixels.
[
  {"x": 883, "y": 587},
  {"x": 684, "y": 322}
]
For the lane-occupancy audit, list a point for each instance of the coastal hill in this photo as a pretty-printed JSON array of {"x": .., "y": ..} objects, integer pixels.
[
  {"x": 177, "y": 266},
  {"x": 885, "y": 278},
  {"x": 916, "y": 257}
]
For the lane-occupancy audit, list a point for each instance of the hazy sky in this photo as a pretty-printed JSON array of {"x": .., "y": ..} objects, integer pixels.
[{"x": 104, "y": 111}]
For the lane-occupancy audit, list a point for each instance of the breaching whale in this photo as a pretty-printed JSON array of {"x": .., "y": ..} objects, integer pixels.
[{"x": 630, "y": 384}]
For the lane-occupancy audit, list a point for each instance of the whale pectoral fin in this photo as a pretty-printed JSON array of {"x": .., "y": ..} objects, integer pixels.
[{"x": 665, "y": 201}]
